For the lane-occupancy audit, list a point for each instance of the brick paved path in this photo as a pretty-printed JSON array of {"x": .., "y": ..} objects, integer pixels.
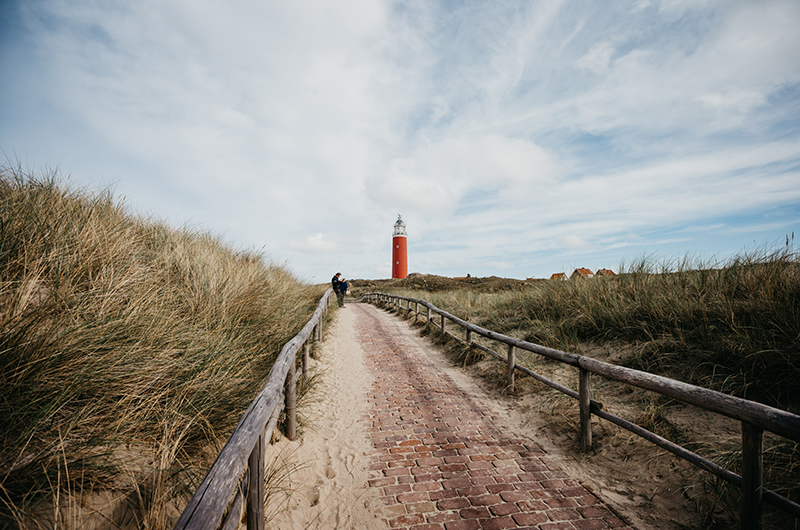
[{"x": 443, "y": 462}]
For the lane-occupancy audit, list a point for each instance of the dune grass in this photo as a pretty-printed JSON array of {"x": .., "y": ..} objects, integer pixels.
[
  {"x": 129, "y": 352},
  {"x": 733, "y": 327}
]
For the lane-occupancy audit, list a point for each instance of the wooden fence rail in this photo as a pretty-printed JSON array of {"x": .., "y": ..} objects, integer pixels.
[
  {"x": 237, "y": 475},
  {"x": 755, "y": 417}
]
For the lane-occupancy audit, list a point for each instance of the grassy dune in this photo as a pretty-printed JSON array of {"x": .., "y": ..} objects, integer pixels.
[
  {"x": 733, "y": 327},
  {"x": 129, "y": 351}
]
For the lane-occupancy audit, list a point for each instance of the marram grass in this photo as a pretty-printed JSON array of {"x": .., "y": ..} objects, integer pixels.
[
  {"x": 129, "y": 351},
  {"x": 733, "y": 327}
]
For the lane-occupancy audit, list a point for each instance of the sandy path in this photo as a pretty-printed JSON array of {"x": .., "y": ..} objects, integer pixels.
[
  {"x": 328, "y": 481},
  {"x": 402, "y": 439}
]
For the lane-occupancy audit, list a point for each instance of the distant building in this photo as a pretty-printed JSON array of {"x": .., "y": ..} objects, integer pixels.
[
  {"x": 559, "y": 276},
  {"x": 605, "y": 272},
  {"x": 582, "y": 273}
]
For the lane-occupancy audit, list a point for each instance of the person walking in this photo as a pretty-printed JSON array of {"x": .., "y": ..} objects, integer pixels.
[{"x": 336, "y": 284}]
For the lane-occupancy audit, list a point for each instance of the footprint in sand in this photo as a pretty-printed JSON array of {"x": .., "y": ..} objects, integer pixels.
[{"x": 314, "y": 497}]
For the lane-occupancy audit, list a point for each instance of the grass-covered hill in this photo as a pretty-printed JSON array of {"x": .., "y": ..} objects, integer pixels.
[
  {"x": 733, "y": 327},
  {"x": 433, "y": 283},
  {"x": 128, "y": 352}
]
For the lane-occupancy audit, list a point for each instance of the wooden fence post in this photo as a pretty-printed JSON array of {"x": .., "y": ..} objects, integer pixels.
[
  {"x": 442, "y": 324},
  {"x": 291, "y": 403},
  {"x": 584, "y": 391},
  {"x": 511, "y": 364},
  {"x": 469, "y": 336},
  {"x": 416, "y": 312},
  {"x": 752, "y": 476},
  {"x": 255, "y": 487},
  {"x": 306, "y": 352},
  {"x": 427, "y": 316}
]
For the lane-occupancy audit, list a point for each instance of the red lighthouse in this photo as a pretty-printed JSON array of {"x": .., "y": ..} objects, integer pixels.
[{"x": 399, "y": 250}]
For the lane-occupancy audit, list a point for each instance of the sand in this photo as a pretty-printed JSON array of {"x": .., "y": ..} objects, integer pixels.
[{"x": 328, "y": 480}]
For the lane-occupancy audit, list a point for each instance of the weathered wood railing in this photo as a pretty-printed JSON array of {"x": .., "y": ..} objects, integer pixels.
[
  {"x": 755, "y": 417},
  {"x": 237, "y": 475}
]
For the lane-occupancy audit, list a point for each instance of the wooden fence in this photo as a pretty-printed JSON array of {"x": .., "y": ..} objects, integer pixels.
[
  {"x": 237, "y": 476},
  {"x": 755, "y": 417}
]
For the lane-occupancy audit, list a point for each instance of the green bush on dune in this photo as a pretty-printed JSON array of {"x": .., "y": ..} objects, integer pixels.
[{"x": 129, "y": 349}]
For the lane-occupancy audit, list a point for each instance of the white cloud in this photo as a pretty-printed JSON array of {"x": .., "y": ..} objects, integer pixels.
[
  {"x": 315, "y": 244},
  {"x": 735, "y": 99},
  {"x": 597, "y": 59},
  {"x": 737, "y": 57},
  {"x": 681, "y": 7},
  {"x": 477, "y": 170},
  {"x": 410, "y": 192},
  {"x": 572, "y": 241}
]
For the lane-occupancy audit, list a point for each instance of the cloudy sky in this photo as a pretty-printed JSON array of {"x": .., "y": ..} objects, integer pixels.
[{"x": 516, "y": 138}]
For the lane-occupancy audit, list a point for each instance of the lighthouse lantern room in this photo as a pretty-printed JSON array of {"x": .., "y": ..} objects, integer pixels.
[{"x": 399, "y": 250}]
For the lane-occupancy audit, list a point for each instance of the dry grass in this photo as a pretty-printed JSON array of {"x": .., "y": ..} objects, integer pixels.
[
  {"x": 130, "y": 350},
  {"x": 733, "y": 327}
]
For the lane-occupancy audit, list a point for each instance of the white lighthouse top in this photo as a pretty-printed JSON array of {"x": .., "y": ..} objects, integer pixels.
[{"x": 399, "y": 227}]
